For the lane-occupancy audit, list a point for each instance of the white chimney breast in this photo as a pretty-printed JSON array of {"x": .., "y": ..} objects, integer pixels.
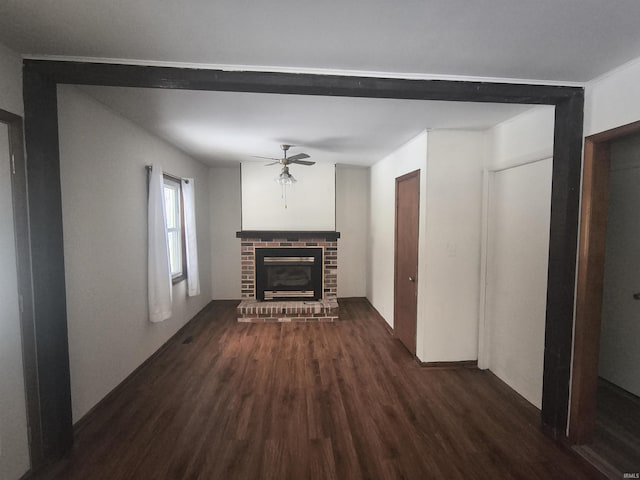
[{"x": 310, "y": 202}]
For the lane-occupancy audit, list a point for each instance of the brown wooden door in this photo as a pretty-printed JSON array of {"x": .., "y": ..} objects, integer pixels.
[{"x": 406, "y": 259}]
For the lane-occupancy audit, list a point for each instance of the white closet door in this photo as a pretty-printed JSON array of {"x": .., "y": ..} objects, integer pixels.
[{"x": 517, "y": 262}]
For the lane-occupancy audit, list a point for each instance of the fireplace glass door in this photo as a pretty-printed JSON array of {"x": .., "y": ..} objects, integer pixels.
[{"x": 288, "y": 273}]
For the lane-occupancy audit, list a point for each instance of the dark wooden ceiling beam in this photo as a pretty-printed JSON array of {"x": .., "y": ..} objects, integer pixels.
[
  {"x": 40, "y": 78},
  {"x": 122, "y": 75}
]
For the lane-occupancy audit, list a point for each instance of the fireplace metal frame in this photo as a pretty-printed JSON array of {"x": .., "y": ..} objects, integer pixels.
[{"x": 294, "y": 256}]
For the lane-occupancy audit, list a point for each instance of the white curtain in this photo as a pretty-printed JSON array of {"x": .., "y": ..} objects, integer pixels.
[
  {"x": 193, "y": 276},
  {"x": 160, "y": 288}
]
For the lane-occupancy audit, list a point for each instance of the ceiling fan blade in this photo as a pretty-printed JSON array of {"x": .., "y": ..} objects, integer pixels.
[
  {"x": 272, "y": 163},
  {"x": 302, "y": 162},
  {"x": 299, "y": 156},
  {"x": 266, "y": 158}
]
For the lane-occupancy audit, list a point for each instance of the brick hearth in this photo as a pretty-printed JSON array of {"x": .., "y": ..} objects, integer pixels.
[
  {"x": 324, "y": 310},
  {"x": 301, "y": 311}
]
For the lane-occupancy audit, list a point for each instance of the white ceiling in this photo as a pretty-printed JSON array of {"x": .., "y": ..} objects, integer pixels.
[
  {"x": 562, "y": 40},
  {"x": 556, "y": 41},
  {"x": 223, "y": 127}
]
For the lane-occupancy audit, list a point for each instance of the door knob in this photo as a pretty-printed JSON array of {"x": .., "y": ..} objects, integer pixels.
[{"x": 412, "y": 279}]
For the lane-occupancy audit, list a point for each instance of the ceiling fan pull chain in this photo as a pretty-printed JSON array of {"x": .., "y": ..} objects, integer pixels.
[{"x": 283, "y": 194}]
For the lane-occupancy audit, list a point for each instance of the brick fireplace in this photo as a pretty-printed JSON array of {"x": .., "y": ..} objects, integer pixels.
[{"x": 255, "y": 244}]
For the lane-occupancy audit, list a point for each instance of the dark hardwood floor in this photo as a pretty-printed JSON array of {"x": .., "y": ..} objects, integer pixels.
[
  {"x": 617, "y": 434},
  {"x": 339, "y": 400}
]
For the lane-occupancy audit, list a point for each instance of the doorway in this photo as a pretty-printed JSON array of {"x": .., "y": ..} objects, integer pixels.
[
  {"x": 405, "y": 303},
  {"x": 602, "y": 306}
]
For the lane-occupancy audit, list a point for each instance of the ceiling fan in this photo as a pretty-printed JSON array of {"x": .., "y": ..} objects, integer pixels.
[
  {"x": 285, "y": 178},
  {"x": 284, "y": 161}
]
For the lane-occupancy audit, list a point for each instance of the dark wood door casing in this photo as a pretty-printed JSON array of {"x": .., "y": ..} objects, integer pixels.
[
  {"x": 23, "y": 260},
  {"x": 589, "y": 289},
  {"x": 405, "y": 305}
]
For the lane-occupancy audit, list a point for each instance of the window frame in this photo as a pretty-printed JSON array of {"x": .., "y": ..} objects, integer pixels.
[{"x": 170, "y": 179}]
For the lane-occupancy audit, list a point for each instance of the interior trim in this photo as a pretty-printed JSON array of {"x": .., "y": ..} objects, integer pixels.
[
  {"x": 589, "y": 288},
  {"x": 298, "y": 70},
  {"x": 24, "y": 279}
]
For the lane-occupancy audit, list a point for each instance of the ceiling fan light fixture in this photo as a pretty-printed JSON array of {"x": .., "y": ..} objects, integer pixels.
[{"x": 285, "y": 178}]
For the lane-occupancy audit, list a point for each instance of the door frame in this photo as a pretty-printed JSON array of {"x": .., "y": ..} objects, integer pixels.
[
  {"x": 23, "y": 268},
  {"x": 40, "y": 81},
  {"x": 402, "y": 178},
  {"x": 589, "y": 286}
]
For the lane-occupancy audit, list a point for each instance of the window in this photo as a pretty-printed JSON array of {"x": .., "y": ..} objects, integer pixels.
[{"x": 175, "y": 227}]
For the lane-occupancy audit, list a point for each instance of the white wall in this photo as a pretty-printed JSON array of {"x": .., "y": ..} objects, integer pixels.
[
  {"x": 10, "y": 81},
  {"x": 620, "y": 338},
  {"x": 450, "y": 164},
  {"x": 14, "y": 450},
  {"x": 613, "y": 100},
  {"x": 310, "y": 203},
  {"x": 517, "y": 250},
  {"x": 409, "y": 157},
  {"x": 224, "y": 188},
  {"x": 453, "y": 224},
  {"x": 528, "y": 136},
  {"x": 104, "y": 202},
  {"x": 352, "y": 221}
]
